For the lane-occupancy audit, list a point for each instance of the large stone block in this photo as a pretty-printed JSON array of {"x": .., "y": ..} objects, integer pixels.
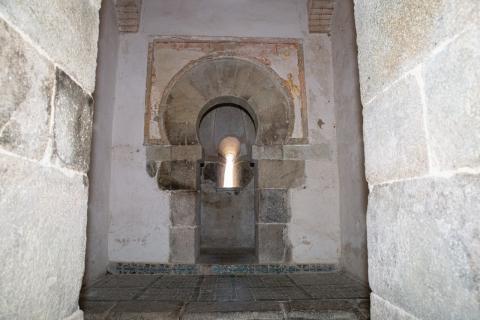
[
  {"x": 73, "y": 123},
  {"x": 272, "y": 245},
  {"x": 43, "y": 215},
  {"x": 395, "y": 139},
  {"x": 159, "y": 153},
  {"x": 177, "y": 175},
  {"x": 452, "y": 91},
  {"x": 26, "y": 81},
  {"x": 282, "y": 174},
  {"x": 307, "y": 152},
  {"x": 270, "y": 152},
  {"x": 66, "y": 30},
  {"x": 273, "y": 206},
  {"x": 393, "y": 36},
  {"x": 184, "y": 244},
  {"x": 383, "y": 310},
  {"x": 191, "y": 152},
  {"x": 424, "y": 246},
  {"x": 184, "y": 208}
]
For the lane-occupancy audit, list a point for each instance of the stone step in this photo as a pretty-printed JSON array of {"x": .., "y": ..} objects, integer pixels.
[{"x": 308, "y": 309}]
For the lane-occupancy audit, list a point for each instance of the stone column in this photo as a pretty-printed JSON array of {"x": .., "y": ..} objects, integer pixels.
[
  {"x": 419, "y": 74},
  {"x": 175, "y": 168},
  {"x": 47, "y": 75}
]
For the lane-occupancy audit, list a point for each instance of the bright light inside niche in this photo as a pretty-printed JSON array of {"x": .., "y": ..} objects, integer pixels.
[
  {"x": 229, "y": 172},
  {"x": 228, "y": 150}
]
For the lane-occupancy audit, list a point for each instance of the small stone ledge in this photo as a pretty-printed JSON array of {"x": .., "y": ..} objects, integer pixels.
[
  {"x": 291, "y": 152},
  {"x": 158, "y": 153},
  {"x": 213, "y": 269},
  {"x": 173, "y": 152}
]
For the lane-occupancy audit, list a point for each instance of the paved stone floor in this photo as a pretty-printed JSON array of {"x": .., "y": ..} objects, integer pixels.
[{"x": 293, "y": 296}]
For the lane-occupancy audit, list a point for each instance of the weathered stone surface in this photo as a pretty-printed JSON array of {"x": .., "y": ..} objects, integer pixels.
[
  {"x": 395, "y": 142},
  {"x": 307, "y": 152},
  {"x": 184, "y": 243},
  {"x": 72, "y": 124},
  {"x": 280, "y": 173},
  {"x": 159, "y": 153},
  {"x": 192, "y": 152},
  {"x": 184, "y": 208},
  {"x": 177, "y": 175},
  {"x": 43, "y": 214},
  {"x": 268, "y": 152},
  {"x": 452, "y": 82},
  {"x": 393, "y": 36},
  {"x": 66, "y": 30},
  {"x": 273, "y": 206},
  {"x": 26, "y": 81},
  {"x": 382, "y": 309},
  {"x": 271, "y": 242},
  {"x": 424, "y": 246}
]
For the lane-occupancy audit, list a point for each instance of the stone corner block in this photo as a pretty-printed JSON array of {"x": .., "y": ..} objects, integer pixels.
[
  {"x": 187, "y": 152},
  {"x": 394, "y": 133},
  {"x": 307, "y": 152},
  {"x": 271, "y": 152},
  {"x": 158, "y": 153},
  {"x": 46, "y": 24},
  {"x": 282, "y": 174},
  {"x": 184, "y": 207},
  {"x": 177, "y": 175},
  {"x": 387, "y": 48},
  {"x": 73, "y": 123},
  {"x": 272, "y": 246},
  {"x": 423, "y": 237},
  {"x": 184, "y": 244},
  {"x": 26, "y": 81},
  {"x": 452, "y": 85},
  {"x": 273, "y": 206}
]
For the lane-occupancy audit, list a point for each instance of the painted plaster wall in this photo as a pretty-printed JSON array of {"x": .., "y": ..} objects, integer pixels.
[
  {"x": 47, "y": 75},
  {"x": 100, "y": 166},
  {"x": 140, "y": 211},
  {"x": 348, "y": 111}
]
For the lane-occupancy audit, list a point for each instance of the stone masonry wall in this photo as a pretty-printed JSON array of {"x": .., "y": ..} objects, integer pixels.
[
  {"x": 47, "y": 74},
  {"x": 419, "y": 75},
  {"x": 141, "y": 213}
]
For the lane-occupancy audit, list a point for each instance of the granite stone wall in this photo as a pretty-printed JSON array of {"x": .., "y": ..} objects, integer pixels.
[
  {"x": 47, "y": 75},
  {"x": 419, "y": 75}
]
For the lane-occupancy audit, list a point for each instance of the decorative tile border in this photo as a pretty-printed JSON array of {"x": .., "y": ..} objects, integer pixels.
[{"x": 216, "y": 269}]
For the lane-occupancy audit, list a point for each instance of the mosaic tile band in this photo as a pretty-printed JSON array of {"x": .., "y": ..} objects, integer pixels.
[{"x": 213, "y": 269}]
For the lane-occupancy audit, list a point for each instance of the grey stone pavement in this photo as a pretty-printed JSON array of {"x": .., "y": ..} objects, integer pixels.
[{"x": 323, "y": 295}]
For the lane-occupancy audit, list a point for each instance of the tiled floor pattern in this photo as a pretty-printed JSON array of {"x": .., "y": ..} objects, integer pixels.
[{"x": 293, "y": 296}]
